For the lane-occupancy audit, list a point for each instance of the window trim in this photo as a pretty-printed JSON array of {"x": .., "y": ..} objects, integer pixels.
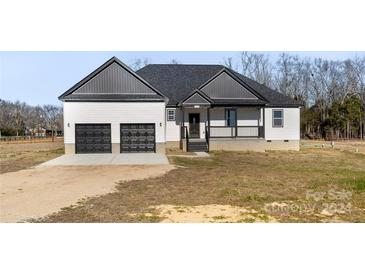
[
  {"x": 226, "y": 116},
  {"x": 282, "y": 118},
  {"x": 167, "y": 115}
]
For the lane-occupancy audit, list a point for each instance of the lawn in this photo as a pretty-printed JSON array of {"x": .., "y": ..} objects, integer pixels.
[
  {"x": 22, "y": 155},
  {"x": 313, "y": 185}
]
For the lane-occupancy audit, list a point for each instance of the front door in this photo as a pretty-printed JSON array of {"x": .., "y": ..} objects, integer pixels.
[{"x": 194, "y": 125}]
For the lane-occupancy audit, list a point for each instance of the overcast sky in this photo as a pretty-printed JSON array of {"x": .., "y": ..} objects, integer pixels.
[{"x": 40, "y": 77}]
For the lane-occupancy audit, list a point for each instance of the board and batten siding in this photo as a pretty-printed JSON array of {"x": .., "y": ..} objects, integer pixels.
[
  {"x": 114, "y": 113},
  {"x": 291, "y": 128},
  {"x": 224, "y": 86},
  {"x": 114, "y": 79}
]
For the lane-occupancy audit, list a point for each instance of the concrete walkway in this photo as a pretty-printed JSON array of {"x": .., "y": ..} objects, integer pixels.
[
  {"x": 108, "y": 159},
  {"x": 195, "y": 155}
]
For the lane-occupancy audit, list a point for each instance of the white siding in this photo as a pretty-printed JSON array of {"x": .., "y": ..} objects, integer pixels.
[
  {"x": 291, "y": 128},
  {"x": 114, "y": 114},
  {"x": 173, "y": 127}
]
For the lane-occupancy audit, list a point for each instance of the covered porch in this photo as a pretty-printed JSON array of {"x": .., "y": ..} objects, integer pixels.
[{"x": 203, "y": 124}]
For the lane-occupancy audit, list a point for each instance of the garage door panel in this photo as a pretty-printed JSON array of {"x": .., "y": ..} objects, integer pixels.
[
  {"x": 137, "y": 138},
  {"x": 93, "y": 138}
]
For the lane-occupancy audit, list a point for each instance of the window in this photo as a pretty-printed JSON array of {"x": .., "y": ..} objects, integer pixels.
[
  {"x": 170, "y": 115},
  {"x": 277, "y": 118},
  {"x": 230, "y": 117}
]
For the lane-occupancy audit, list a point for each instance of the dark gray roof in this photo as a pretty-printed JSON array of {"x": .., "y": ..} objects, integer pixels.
[
  {"x": 178, "y": 81},
  {"x": 112, "y": 81}
]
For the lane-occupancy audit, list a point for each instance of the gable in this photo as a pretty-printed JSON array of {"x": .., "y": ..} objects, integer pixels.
[
  {"x": 225, "y": 86},
  {"x": 196, "y": 99},
  {"x": 114, "y": 79},
  {"x": 178, "y": 81}
]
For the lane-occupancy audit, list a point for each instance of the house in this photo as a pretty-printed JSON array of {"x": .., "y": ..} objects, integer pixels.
[
  {"x": 191, "y": 107},
  {"x": 42, "y": 132}
]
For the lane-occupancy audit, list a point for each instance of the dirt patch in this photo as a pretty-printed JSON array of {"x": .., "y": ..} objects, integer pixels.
[
  {"x": 34, "y": 193},
  {"x": 20, "y": 156},
  {"x": 248, "y": 180},
  {"x": 208, "y": 214},
  {"x": 176, "y": 151},
  {"x": 356, "y": 146}
]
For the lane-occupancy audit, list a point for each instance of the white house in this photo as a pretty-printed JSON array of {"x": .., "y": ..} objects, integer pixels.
[{"x": 191, "y": 107}]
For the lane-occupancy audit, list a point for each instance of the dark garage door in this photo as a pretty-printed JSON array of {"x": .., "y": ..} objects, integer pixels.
[
  {"x": 93, "y": 138},
  {"x": 137, "y": 138}
]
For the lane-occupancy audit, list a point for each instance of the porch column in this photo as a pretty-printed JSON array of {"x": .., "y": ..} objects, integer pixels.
[
  {"x": 236, "y": 130},
  {"x": 183, "y": 141},
  {"x": 183, "y": 121},
  {"x": 208, "y": 116},
  {"x": 263, "y": 122},
  {"x": 258, "y": 123}
]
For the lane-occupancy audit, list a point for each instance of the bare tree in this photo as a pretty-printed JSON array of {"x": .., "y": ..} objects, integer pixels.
[
  {"x": 329, "y": 90},
  {"x": 174, "y": 62},
  {"x": 5, "y": 116},
  {"x": 228, "y": 62},
  {"x": 18, "y": 117},
  {"x": 139, "y": 63},
  {"x": 257, "y": 66},
  {"x": 53, "y": 118},
  {"x": 36, "y": 119}
]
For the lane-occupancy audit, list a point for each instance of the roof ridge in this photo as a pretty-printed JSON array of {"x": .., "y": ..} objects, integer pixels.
[{"x": 217, "y": 65}]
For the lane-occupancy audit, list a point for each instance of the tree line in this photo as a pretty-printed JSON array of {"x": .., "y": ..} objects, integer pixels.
[
  {"x": 332, "y": 92},
  {"x": 19, "y": 118}
]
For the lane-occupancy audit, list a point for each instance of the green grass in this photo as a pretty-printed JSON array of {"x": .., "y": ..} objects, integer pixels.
[{"x": 355, "y": 184}]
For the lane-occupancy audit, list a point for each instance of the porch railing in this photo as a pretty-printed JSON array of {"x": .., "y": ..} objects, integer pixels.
[
  {"x": 236, "y": 132},
  {"x": 184, "y": 136}
]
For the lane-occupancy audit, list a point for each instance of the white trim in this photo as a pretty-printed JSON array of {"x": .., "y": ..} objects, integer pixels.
[
  {"x": 207, "y": 104},
  {"x": 167, "y": 114},
  {"x": 281, "y": 118}
]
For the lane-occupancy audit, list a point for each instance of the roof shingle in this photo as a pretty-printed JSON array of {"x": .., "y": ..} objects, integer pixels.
[{"x": 177, "y": 81}]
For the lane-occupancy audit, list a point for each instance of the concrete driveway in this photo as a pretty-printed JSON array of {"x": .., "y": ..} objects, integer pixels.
[
  {"x": 36, "y": 192},
  {"x": 108, "y": 159}
]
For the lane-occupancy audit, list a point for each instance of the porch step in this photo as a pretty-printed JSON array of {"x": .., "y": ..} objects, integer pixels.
[{"x": 198, "y": 147}]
